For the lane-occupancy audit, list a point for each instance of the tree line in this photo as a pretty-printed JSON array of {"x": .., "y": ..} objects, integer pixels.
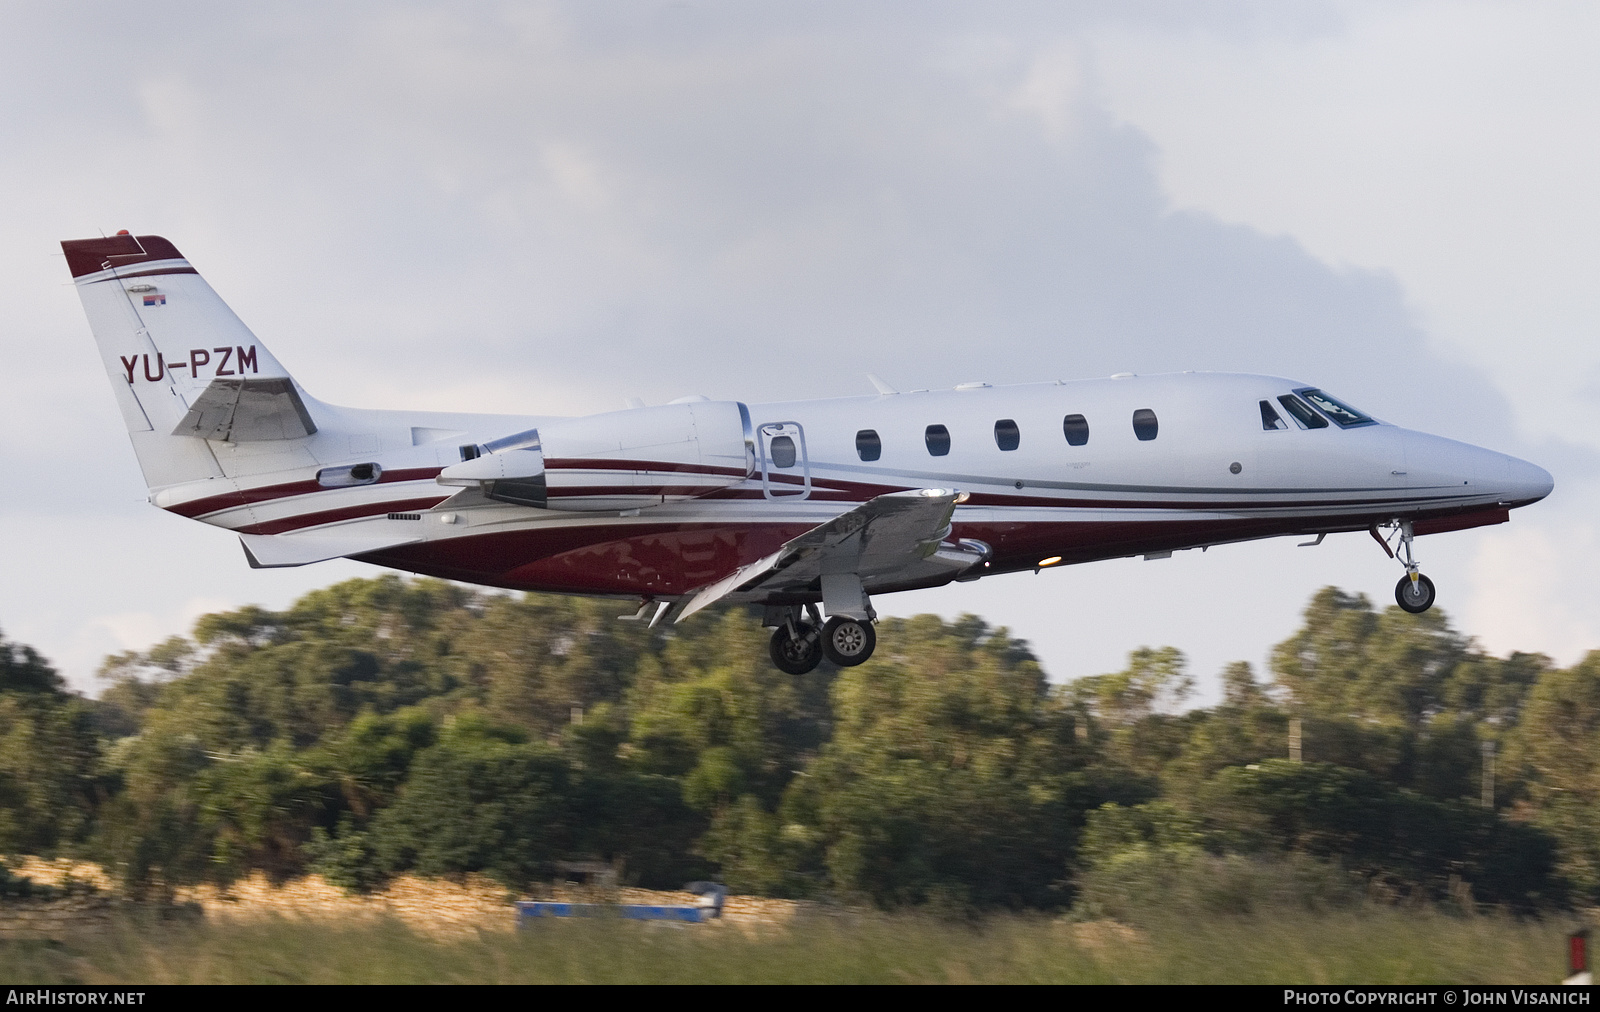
[{"x": 387, "y": 726}]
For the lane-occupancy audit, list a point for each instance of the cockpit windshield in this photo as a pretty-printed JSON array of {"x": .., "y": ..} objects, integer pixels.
[
  {"x": 1342, "y": 414},
  {"x": 1301, "y": 412}
]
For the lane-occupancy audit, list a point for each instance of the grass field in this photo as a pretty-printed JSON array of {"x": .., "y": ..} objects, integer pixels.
[{"x": 1372, "y": 945}]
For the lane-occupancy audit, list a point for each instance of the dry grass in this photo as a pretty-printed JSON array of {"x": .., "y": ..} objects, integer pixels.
[
  {"x": 427, "y": 931},
  {"x": 1373, "y": 946}
]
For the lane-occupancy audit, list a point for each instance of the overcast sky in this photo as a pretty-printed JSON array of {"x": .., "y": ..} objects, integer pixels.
[{"x": 552, "y": 207}]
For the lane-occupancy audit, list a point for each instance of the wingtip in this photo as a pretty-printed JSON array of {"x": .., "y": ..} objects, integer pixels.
[{"x": 882, "y": 387}]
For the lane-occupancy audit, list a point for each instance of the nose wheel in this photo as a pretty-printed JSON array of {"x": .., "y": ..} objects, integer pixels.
[{"x": 1414, "y": 593}]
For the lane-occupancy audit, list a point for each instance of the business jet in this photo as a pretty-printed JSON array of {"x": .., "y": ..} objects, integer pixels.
[{"x": 799, "y": 508}]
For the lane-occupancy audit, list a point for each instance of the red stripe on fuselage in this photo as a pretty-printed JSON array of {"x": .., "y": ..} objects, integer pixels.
[
  {"x": 372, "y": 509},
  {"x": 266, "y": 493}
]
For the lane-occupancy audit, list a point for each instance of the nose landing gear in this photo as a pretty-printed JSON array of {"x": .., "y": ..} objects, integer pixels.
[{"x": 1414, "y": 593}]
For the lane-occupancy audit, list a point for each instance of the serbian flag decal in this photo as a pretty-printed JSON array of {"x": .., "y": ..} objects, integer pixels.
[{"x": 155, "y": 300}]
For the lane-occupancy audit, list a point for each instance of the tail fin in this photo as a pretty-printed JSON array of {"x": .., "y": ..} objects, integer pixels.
[{"x": 184, "y": 368}]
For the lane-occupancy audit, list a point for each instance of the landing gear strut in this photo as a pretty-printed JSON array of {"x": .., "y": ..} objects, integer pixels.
[{"x": 1414, "y": 593}]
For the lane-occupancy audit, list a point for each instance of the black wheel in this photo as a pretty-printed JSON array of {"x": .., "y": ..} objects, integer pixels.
[
  {"x": 848, "y": 641},
  {"x": 1414, "y": 597},
  {"x": 796, "y": 656}
]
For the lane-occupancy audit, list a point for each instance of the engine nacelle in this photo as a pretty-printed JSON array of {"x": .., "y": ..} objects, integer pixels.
[{"x": 620, "y": 460}]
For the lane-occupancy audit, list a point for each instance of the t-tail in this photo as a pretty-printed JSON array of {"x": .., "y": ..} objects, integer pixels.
[{"x": 182, "y": 364}]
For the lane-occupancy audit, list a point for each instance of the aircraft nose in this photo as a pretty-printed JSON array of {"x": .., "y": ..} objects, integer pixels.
[
  {"x": 1435, "y": 459},
  {"x": 1525, "y": 482}
]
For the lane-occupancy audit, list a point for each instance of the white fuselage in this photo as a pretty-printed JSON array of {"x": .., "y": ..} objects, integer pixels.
[{"x": 1212, "y": 474}]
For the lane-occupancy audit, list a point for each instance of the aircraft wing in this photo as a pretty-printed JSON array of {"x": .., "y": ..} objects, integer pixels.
[{"x": 893, "y": 533}]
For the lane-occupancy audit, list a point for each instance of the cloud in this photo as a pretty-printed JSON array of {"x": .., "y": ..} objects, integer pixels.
[{"x": 1448, "y": 144}]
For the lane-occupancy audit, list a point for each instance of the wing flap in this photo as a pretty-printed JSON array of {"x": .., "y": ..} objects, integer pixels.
[{"x": 883, "y": 535}]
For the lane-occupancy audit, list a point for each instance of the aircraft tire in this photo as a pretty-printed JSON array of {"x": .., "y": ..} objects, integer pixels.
[
  {"x": 848, "y": 641},
  {"x": 1415, "y": 602},
  {"x": 796, "y": 657}
]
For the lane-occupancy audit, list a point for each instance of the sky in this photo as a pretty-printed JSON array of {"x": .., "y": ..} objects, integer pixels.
[{"x": 552, "y": 207}]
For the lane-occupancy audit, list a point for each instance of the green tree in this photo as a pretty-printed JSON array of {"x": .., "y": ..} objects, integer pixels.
[
  {"x": 1557, "y": 747},
  {"x": 950, "y": 773},
  {"x": 1404, "y": 697},
  {"x": 1394, "y": 835},
  {"x": 1247, "y": 728},
  {"x": 49, "y": 756},
  {"x": 1348, "y": 661},
  {"x": 1126, "y": 707},
  {"x": 482, "y": 799}
]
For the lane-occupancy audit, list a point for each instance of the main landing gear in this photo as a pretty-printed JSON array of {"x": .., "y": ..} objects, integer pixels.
[
  {"x": 1414, "y": 593},
  {"x": 797, "y": 644},
  {"x": 848, "y": 641},
  {"x": 802, "y": 639}
]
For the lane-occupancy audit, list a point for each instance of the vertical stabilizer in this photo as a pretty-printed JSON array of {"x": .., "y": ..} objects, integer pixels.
[{"x": 183, "y": 367}]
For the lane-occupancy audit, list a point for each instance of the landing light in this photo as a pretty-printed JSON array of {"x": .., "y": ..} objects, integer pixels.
[{"x": 1052, "y": 560}]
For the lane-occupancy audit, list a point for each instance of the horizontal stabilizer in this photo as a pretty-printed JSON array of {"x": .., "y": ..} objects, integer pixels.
[
  {"x": 248, "y": 410},
  {"x": 274, "y": 551}
]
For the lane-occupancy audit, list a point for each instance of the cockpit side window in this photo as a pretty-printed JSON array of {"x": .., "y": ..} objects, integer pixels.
[
  {"x": 1343, "y": 414},
  {"x": 1270, "y": 419},
  {"x": 1301, "y": 412}
]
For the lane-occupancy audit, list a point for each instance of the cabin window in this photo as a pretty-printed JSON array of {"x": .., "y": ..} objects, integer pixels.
[
  {"x": 868, "y": 446},
  {"x": 1270, "y": 419},
  {"x": 350, "y": 474},
  {"x": 1302, "y": 413},
  {"x": 782, "y": 450},
  {"x": 1145, "y": 424},
  {"x": 1006, "y": 434},
  {"x": 938, "y": 440},
  {"x": 1076, "y": 429},
  {"x": 1343, "y": 414}
]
